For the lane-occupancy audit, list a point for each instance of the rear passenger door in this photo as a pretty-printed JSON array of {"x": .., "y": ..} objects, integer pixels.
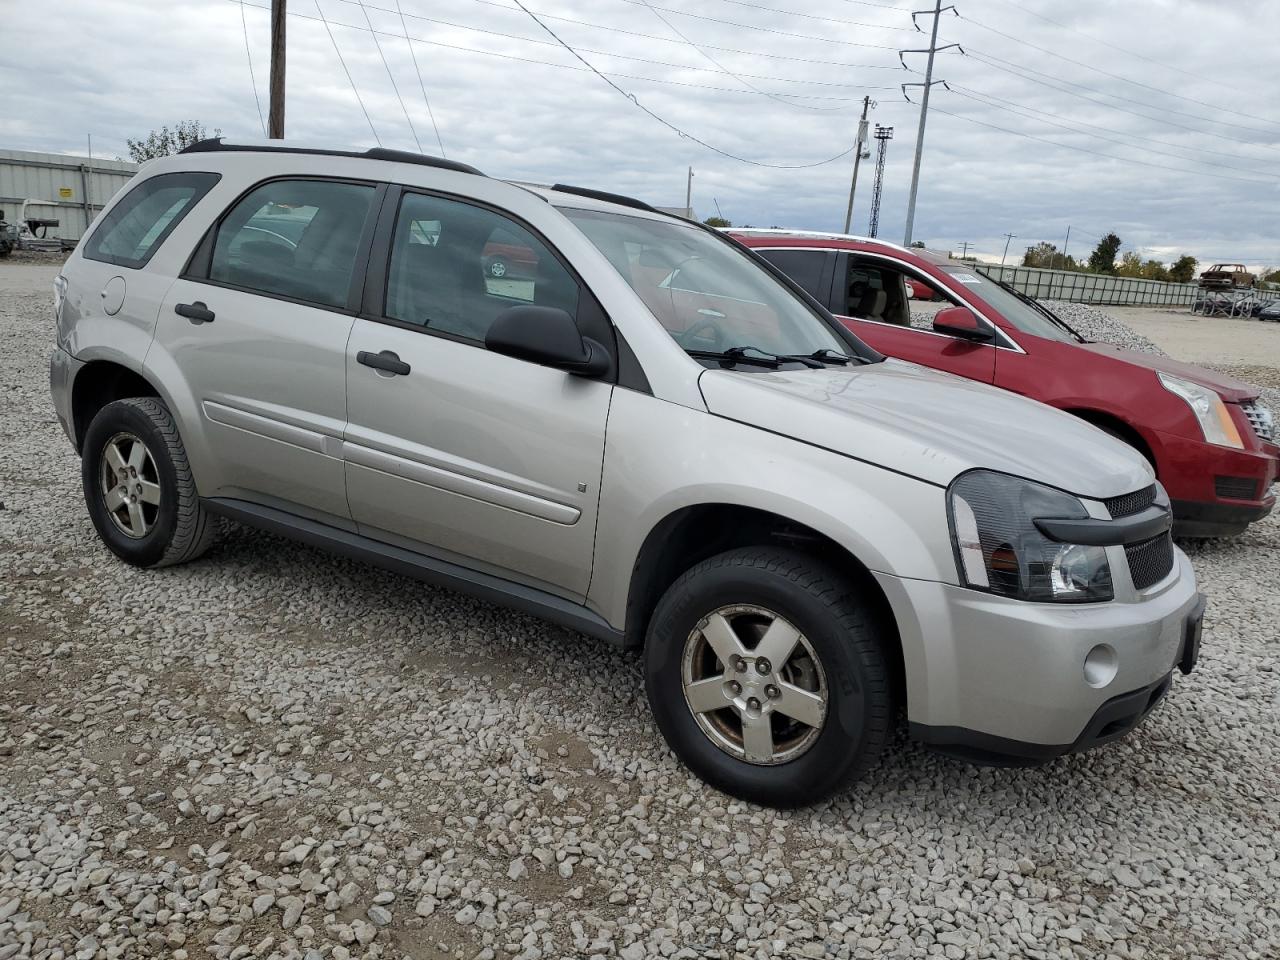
[
  {"x": 257, "y": 331},
  {"x": 476, "y": 457}
]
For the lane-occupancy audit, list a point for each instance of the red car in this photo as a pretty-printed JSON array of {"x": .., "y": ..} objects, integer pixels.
[{"x": 1211, "y": 441}]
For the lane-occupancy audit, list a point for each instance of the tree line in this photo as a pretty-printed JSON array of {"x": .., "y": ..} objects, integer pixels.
[{"x": 1103, "y": 260}]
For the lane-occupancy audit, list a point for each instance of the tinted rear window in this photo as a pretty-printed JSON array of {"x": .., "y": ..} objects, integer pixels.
[{"x": 137, "y": 225}]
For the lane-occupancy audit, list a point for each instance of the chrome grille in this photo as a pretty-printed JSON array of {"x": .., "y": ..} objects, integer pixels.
[
  {"x": 1150, "y": 561},
  {"x": 1128, "y": 504},
  {"x": 1261, "y": 419}
]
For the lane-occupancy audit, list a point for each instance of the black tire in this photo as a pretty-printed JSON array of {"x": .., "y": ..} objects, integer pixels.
[
  {"x": 843, "y": 633},
  {"x": 181, "y": 529}
]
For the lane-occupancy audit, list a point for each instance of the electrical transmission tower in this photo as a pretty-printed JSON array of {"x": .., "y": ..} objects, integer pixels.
[{"x": 884, "y": 135}]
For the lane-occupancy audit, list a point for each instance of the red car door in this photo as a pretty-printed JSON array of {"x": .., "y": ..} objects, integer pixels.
[{"x": 869, "y": 296}]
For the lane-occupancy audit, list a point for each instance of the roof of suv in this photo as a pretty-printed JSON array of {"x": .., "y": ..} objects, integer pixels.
[{"x": 811, "y": 238}]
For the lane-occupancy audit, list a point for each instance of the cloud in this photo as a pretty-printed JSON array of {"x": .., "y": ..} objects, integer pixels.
[{"x": 510, "y": 100}]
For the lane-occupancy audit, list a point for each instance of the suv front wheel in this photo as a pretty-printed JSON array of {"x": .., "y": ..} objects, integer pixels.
[
  {"x": 138, "y": 485},
  {"x": 767, "y": 676}
]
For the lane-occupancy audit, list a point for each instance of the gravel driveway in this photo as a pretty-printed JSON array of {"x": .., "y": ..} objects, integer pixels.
[{"x": 275, "y": 753}]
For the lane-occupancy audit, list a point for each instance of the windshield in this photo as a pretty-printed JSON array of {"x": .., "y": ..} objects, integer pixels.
[
  {"x": 704, "y": 291},
  {"x": 1021, "y": 314}
]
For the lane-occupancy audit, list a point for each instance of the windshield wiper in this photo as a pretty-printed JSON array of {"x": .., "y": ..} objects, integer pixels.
[
  {"x": 737, "y": 355},
  {"x": 1043, "y": 310},
  {"x": 827, "y": 355}
]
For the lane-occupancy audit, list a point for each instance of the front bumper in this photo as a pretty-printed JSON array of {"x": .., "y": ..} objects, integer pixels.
[
  {"x": 1008, "y": 677},
  {"x": 63, "y": 368},
  {"x": 1215, "y": 491}
]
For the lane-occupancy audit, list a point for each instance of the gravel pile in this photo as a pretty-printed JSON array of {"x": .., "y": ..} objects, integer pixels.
[
  {"x": 274, "y": 753},
  {"x": 1096, "y": 324}
]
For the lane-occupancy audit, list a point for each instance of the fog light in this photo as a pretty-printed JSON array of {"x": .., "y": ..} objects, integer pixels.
[{"x": 1100, "y": 666}]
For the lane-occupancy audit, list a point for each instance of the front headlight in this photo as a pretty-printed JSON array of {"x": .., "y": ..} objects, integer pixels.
[
  {"x": 999, "y": 549},
  {"x": 1211, "y": 413}
]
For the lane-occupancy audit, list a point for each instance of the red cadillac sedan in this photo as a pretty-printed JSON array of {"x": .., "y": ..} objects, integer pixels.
[{"x": 1211, "y": 441}]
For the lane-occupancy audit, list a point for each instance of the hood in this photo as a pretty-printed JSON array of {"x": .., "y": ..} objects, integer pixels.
[
  {"x": 1228, "y": 388},
  {"x": 928, "y": 424}
]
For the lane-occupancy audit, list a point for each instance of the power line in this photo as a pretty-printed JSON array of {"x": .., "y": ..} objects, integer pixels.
[
  {"x": 334, "y": 41},
  {"x": 668, "y": 124},
  {"x": 1022, "y": 8},
  {"x": 252, "y": 80},
  {"x": 1116, "y": 76},
  {"x": 1098, "y": 153},
  {"x": 1038, "y": 115},
  {"x": 1020, "y": 71},
  {"x": 418, "y": 71},
  {"x": 789, "y": 13},
  {"x": 955, "y": 87},
  {"x": 565, "y": 66},
  {"x": 710, "y": 59},
  {"x": 637, "y": 34},
  {"x": 391, "y": 77}
]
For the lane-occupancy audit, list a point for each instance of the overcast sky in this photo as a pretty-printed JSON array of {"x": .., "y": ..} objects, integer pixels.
[{"x": 1122, "y": 128}]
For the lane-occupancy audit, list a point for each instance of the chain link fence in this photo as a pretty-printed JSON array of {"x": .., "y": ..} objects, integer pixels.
[{"x": 1099, "y": 288}]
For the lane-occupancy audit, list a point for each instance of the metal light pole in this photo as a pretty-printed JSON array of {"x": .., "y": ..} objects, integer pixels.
[
  {"x": 1065, "y": 261},
  {"x": 884, "y": 135},
  {"x": 275, "y": 121},
  {"x": 858, "y": 147},
  {"x": 688, "y": 195}
]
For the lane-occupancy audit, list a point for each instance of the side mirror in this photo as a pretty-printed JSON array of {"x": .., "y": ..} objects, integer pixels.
[
  {"x": 549, "y": 336},
  {"x": 961, "y": 322}
]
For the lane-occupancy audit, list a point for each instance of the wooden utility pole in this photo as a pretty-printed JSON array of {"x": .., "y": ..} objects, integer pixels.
[
  {"x": 276, "y": 121},
  {"x": 859, "y": 144}
]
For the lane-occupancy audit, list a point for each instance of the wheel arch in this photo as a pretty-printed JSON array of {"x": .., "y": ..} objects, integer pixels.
[
  {"x": 691, "y": 534},
  {"x": 98, "y": 383}
]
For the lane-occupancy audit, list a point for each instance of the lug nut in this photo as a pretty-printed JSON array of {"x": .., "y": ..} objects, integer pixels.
[
  {"x": 753, "y": 704},
  {"x": 762, "y": 666},
  {"x": 133, "y": 499},
  {"x": 772, "y": 692},
  {"x": 739, "y": 664},
  {"x": 735, "y": 687}
]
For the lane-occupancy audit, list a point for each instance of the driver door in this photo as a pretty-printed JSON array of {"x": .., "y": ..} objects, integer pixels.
[{"x": 480, "y": 458}]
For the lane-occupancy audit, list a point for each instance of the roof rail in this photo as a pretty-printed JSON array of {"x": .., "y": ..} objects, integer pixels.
[
  {"x": 216, "y": 145},
  {"x": 606, "y": 197}
]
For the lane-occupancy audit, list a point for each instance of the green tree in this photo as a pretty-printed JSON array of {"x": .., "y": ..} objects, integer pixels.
[
  {"x": 918, "y": 244},
  {"x": 1271, "y": 276},
  {"x": 164, "y": 142},
  {"x": 1154, "y": 270},
  {"x": 1047, "y": 256},
  {"x": 1103, "y": 258},
  {"x": 1130, "y": 265},
  {"x": 717, "y": 222},
  {"x": 1183, "y": 269}
]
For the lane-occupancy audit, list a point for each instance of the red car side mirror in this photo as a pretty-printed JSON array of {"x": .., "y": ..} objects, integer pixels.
[{"x": 961, "y": 322}]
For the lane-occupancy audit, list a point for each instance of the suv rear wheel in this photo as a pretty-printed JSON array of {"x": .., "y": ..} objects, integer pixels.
[
  {"x": 766, "y": 674},
  {"x": 138, "y": 485}
]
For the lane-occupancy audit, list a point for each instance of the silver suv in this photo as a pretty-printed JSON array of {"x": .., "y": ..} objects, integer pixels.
[{"x": 645, "y": 433}]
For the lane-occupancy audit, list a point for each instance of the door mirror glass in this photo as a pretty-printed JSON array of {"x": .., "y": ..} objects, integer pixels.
[
  {"x": 961, "y": 322},
  {"x": 549, "y": 336}
]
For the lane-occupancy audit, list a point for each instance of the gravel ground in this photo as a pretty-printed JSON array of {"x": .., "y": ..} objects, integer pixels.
[{"x": 275, "y": 753}]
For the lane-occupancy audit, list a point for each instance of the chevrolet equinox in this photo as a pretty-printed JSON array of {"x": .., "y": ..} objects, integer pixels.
[{"x": 650, "y": 435}]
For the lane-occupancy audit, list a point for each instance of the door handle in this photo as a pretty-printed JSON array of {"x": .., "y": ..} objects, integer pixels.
[
  {"x": 195, "y": 312},
  {"x": 386, "y": 360}
]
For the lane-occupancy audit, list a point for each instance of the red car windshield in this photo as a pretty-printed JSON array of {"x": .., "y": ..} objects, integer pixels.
[{"x": 1017, "y": 311}]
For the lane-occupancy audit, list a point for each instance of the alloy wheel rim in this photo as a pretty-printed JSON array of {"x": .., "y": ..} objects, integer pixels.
[
  {"x": 130, "y": 485},
  {"x": 498, "y": 268},
  {"x": 754, "y": 684}
]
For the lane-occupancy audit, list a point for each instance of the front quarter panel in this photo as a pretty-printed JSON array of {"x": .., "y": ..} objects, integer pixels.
[{"x": 661, "y": 457}]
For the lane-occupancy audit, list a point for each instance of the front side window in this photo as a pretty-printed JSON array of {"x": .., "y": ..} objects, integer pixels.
[
  {"x": 296, "y": 239},
  {"x": 456, "y": 266},
  {"x": 145, "y": 216},
  {"x": 705, "y": 292}
]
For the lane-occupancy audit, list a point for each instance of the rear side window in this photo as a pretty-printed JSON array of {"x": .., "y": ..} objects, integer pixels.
[
  {"x": 145, "y": 216},
  {"x": 806, "y": 267},
  {"x": 295, "y": 239}
]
